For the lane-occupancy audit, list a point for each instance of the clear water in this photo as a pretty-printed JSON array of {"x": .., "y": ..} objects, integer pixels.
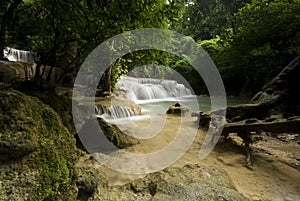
[{"x": 202, "y": 103}]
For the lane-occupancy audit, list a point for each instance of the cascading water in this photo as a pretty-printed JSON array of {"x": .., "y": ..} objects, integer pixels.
[
  {"x": 140, "y": 90},
  {"x": 147, "y": 88},
  {"x": 117, "y": 111},
  {"x": 18, "y": 55}
]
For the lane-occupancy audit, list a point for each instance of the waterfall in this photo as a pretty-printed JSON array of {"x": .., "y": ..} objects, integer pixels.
[
  {"x": 117, "y": 111},
  {"x": 147, "y": 88},
  {"x": 18, "y": 55},
  {"x": 138, "y": 90}
]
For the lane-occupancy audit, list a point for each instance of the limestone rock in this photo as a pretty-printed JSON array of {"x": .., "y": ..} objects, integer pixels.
[
  {"x": 59, "y": 99},
  {"x": 95, "y": 142},
  {"x": 13, "y": 71},
  {"x": 115, "y": 135},
  {"x": 38, "y": 154},
  {"x": 189, "y": 183},
  {"x": 281, "y": 93},
  {"x": 89, "y": 180},
  {"x": 278, "y": 99}
]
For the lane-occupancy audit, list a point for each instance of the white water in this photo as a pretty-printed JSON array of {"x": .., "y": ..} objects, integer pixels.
[
  {"x": 18, "y": 55},
  {"x": 152, "y": 89},
  {"x": 116, "y": 111},
  {"x": 155, "y": 97},
  {"x": 143, "y": 91}
]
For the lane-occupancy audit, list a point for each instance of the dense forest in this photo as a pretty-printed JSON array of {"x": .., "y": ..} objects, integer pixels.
[
  {"x": 150, "y": 140},
  {"x": 250, "y": 41}
]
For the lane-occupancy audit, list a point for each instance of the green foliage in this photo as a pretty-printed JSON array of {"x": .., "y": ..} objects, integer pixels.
[
  {"x": 249, "y": 41},
  {"x": 269, "y": 27},
  {"x": 214, "y": 45},
  {"x": 62, "y": 33},
  {"x": 210, "y": 23},
  {"x": 204, "y": 19},
  {"x": 266, "y": 40}
]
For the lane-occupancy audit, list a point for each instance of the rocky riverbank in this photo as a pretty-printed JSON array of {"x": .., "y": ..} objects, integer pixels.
[{"x": 39, "y": 161}]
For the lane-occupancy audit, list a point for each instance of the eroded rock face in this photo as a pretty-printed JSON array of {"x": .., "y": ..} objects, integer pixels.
[
  {"x": 189, "y": 183},
  {"x": 13, "y": 71},
  {"x": 37, "y": 152},
  {"x": 89, "y": 181},
  {"x": 281, "y": 93},
  {"x": 278, "y": 99}
]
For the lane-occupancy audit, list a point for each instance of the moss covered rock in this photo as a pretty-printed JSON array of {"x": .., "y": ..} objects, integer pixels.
[
  {"x": 37, "y": 152},
  {"x": 116, "y": 136},
  {"x": 59, "y": 99},
  {"x": 90, "y": 180},
  {"x": 91, "y": 140}
]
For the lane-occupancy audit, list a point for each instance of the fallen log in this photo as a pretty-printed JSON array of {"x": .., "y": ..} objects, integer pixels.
[{"x": 291, "y": 125}]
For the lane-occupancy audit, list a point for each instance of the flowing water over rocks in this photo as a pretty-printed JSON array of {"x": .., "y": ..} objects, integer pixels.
[
  {"x": 13, "y": 54},
  {"x": 147, "y": 88},
  {"x": 138, "y": 90}
]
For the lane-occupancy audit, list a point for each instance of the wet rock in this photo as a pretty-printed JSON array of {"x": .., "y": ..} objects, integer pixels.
[
  {"x": 95, "y": 140},
  {"x": 115, "y": 135},
  {"x": 117, "y": 108},
  {"x": 178, "y": 109}
]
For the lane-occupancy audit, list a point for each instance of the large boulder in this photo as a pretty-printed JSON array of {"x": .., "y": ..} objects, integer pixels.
[
  {"x": 189, "y": 183},
  {"x": 284, "y": 88},
  {"x": 37, "y": 153},
  {"x": 59, "y": 99},
  {"x": 280, "y": 96}
]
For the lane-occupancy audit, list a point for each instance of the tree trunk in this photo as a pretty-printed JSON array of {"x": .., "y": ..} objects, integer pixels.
[
  {"x": 37, "y": 70},
  {"x": 49, "y": 74},
  {"x": 108, "y": 81},
  {"x": 2, "y": 38},
  {"x": 5, "y": 18},
  {"x": 26, "y": 72}
]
